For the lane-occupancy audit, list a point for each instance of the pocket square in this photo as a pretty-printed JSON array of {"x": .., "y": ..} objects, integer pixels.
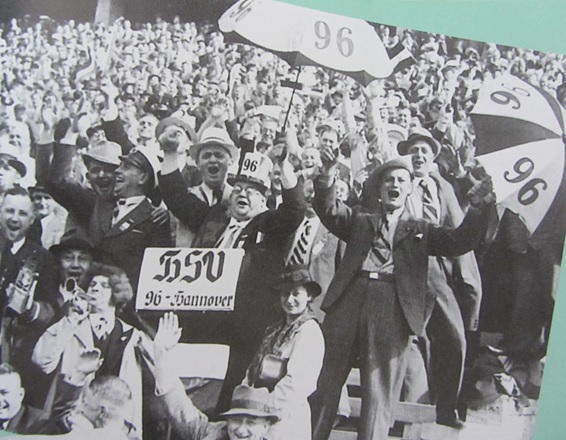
[{"x": 419, "y": 236}]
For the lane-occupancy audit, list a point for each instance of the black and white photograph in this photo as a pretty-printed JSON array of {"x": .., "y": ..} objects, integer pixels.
[{"x": 247, "y": 219}]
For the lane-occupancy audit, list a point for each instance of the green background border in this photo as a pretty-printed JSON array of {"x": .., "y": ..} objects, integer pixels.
[{"x": 537, "y": 25}]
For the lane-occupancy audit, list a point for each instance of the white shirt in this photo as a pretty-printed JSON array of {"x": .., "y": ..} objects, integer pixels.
[
  {"x": 231, "y": 233},
  {"x": 125, "y": 206}
]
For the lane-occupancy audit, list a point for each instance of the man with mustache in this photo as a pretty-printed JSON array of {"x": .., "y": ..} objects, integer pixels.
[
  {"x": 379, "y": 295},
  {"x": 244, "y": 222}
]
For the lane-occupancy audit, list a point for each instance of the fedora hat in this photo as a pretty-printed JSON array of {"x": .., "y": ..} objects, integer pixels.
[
  {"x": 175, "y": 120},
  {"x": 105, "y": 152},
  {"x": 215, "y": 136},
  {"x": 297, "y": 275},
  {"x": 256, "y": 402},
  {"x": 418, "y": 134},
  {"x": 74, "y": 239}
]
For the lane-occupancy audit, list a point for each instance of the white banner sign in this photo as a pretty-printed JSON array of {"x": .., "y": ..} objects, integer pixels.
[{"x": 188, "y": 279}]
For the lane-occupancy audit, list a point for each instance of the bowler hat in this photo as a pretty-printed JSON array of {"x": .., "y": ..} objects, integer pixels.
[
  {"x": 418, "y": 134},
  {"x": 297, "y": 275},
  {"x": 255, "y": 402}
]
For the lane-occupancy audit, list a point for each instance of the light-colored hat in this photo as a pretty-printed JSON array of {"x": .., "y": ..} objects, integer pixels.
[
  {"x": 105, "y": 152},
  {"x": 215, "y": 136},
  {"x": 255, "y": 402},
  {"x": 10, "y": 153},
  {"x": 418, "y": 134},
  {"x": 396, "y": 133},
  {"x": 146, "y": 160},
  {"x": 255, "y": 168}
]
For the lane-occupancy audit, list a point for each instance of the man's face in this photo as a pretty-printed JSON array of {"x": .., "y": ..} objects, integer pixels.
[
  {"x": 329, "y": 139},
  {"x": 268, "y": 131},
  {"x": 422, "y": 158},
  {"x": 16, "y": 216},
  {"x": 11, "y": 396},
  {"x": 101, "y": 177},
  {"x": 246, "y": 201},
  {"x": 97, "y": 137},
  {"x": 342, "y": 190},
  {"x": 8, "y": 176},
  {"x": 75, "y": 263},
  {"x": 404, "y": 118},
  {"x": 213, "y": 162},
  {"x": 129, "y": 180},
  {"x": 43, "y": 203},
  {"x": 147, "y": 126},
  {"x": 311, "y": 158},
  {"x": 247, "y": 427},
  {"x": 394, "y": 188}
]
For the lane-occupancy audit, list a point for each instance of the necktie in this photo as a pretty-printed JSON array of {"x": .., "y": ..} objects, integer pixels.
[
  {"x": 229, "y": 237},
  {"x": 116, "y": 213},
  {"x": 216, "y": 197},
  {"x": 381, "y": 250},
  {"x": 300, "y": 251},
  {"x": 430, "y": 211},
  {"x": 100, "y": 328}
]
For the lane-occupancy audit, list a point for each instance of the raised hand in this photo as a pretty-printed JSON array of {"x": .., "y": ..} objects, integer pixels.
[
  {"x": 168, "y": 334},
  {"x": 171, "y": 138}
]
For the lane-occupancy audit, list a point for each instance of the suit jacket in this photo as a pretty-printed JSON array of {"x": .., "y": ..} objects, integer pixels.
[
  {"x": 123, "y": 244},
  {"x": 325, "y": 255},
  {"x": 28, "y": 420},
  {"x": 265, "y": 236},
  {"x": 414, "y": 240}
]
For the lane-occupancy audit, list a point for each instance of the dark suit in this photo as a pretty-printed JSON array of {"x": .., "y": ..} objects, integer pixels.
[
  {"x": 373, "y": 319},
  {"x": 28, "y": 420},
  {"x": 123, "y": 244},
  {"x": 263, "y": 238}
]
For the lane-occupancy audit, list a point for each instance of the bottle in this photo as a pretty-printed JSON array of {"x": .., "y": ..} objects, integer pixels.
[{"x": 24, "y": 286}]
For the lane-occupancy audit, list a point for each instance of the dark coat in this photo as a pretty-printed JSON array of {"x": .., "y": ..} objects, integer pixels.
[
  {"x": 28, "y": 420},
  {"x": 414, "y": 241}
]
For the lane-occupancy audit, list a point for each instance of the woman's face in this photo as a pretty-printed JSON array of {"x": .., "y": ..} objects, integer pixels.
[
  {"x": 295, "y": 302},
  {"x": 99, "y": 291}
]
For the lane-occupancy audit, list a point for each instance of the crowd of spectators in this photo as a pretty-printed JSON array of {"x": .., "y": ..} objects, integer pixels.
[{"x": 111, "y": 91}]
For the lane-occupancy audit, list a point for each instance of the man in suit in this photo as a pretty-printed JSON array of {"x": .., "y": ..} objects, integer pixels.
[
  {"x": 314, "y": 246},
  {"x": 245, "y": 222},
  {"x": 452, "y": 281},
  {"x": 122, "y": 229},
  {"x": 213, "y": 155},
  {"x": 378, "y": 297},
  {"x": 25, "y": 267},
  {"x": 14, "y": 415}
]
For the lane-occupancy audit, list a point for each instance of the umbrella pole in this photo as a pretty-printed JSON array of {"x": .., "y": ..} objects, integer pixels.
[{"x": 291, "y": 102}]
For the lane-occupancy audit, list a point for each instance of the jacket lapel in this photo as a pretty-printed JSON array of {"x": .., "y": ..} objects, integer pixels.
[
  {"x": 136, "y": 216},
  {"x": 404, "y": 227}
]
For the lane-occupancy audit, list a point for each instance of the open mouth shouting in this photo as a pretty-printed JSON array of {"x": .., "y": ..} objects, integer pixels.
[{"x": 213, "y": 170}]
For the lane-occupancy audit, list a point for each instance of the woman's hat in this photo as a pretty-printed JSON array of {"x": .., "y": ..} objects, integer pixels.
[{"x": 297, "y": 275}]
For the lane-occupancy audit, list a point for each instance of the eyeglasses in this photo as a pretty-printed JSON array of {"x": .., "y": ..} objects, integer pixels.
[{"x": 249, "y": 191}]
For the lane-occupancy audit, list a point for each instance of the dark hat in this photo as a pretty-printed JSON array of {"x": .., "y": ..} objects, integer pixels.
[
  {"x": 373, "y": 181},
  {"x": 255, "y": 402},
  {"x": 74, "y": 239},
  {"x": 297, "y": 275},
  {"x": 418, "y": 134},
  {"x": 36, "y": 189},
  {"x": 175, "y": 121}
]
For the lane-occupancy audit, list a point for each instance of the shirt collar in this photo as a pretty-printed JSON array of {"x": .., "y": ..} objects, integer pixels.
[{"x": 17, "y": 245}]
